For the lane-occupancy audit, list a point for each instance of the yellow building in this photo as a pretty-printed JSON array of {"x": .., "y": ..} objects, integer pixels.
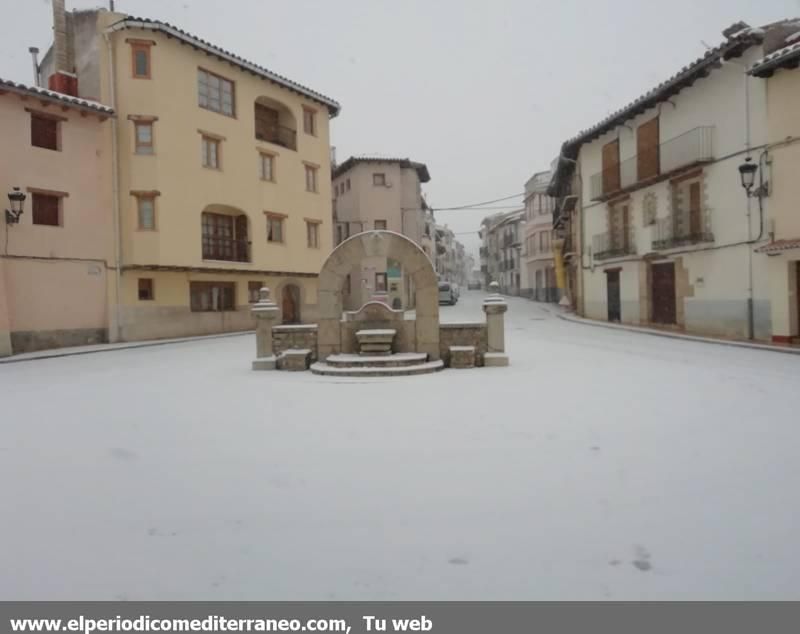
[
  {"x": 776, "y": 177},
  {"x": 221, "y": 179}
]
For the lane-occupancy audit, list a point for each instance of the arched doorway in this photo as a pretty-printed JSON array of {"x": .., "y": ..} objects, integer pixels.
[{"x": 290, "y": 304}]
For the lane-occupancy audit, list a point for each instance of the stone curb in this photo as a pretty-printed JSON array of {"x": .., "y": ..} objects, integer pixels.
[
  {"x": 672, "y": 335},
  {"x": 112, "y": 347}
]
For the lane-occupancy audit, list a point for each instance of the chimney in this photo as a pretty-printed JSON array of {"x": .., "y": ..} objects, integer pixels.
[
  {"x": 35, "y": 57},
  {"x": 62, "y": 80}
]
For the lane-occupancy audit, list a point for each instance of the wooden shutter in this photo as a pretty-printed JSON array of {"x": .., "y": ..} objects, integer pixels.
[
  {"x": 611, "y": 179},
  {"x": 46, "y": 210},
  {"x": 44, "y": 132},
  {"x": 695, "y": 211},
  {"x": 648, "y": 163}
]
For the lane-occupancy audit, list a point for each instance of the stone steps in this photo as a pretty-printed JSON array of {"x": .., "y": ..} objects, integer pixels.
[
  {"x": 325, "y": 369},
  {"x": 400, "y": 359}
]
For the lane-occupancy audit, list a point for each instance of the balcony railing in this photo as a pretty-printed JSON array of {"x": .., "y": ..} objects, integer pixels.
[
  {"x": 690, "y": 148},
  {"x": 614, "y": 245},
  {"x": 279, "y": 135},
  {"x": 228, "y": 249},
  {"x": 676, "y": 231}
]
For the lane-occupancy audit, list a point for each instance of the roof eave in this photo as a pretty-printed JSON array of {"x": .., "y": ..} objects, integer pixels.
[{"x": 132, "y": 23}]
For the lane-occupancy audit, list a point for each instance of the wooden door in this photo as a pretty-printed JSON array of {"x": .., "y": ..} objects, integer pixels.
[
  {"x": 663, "y": 292},
  {"x": 695, "y": 212},
  {"x": 290, "y": 304},
  {"x": 611, "y": 177},
  {"x": 648, "y": 162},
  {"x": 613, "y": 292}
]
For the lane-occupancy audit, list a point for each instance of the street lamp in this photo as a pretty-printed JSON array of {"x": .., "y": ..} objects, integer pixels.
[
  {"x": 16, "y": 199},
  {"x": 747, "y": 172}
]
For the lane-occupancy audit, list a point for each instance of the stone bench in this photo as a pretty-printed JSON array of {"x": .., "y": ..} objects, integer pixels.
[
  {"x": 295, "y": 360},
  {"x": 462, "y": 357}
]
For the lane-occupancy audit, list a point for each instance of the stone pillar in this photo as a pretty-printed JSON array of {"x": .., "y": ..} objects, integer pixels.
[
  {"x": 495, "y": 307},
  {"x": 266, "y": 314}
]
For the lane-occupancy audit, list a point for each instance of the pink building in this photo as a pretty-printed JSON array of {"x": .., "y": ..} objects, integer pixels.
[{"x": 57, "y": 259}]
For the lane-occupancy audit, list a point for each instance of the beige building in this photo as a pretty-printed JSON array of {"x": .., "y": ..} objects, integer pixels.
[
  {"x": 668, "y": 235},
  {"x": 386, "y": 194},
  {"x": 778, "y": 166},
  {"x": 221, "y": 179},
  {"x": 57, "y": 270},
  {"x": 538, "y": 273}
]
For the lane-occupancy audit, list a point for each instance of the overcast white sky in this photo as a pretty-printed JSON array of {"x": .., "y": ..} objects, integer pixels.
[{"x": 483, "y": 91}]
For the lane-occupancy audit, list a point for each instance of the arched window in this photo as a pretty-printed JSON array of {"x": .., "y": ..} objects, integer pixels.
[{"x": 275, "y": 123}]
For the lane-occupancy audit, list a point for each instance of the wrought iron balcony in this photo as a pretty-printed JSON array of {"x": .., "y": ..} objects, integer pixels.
[
  {"x": 690, "y": 148},
  {"x": 279, "y": 135},
  {"x": 227, "y": 249},
  {"x": 678, "y": 231},
  {"x": 613, "y": 245}
]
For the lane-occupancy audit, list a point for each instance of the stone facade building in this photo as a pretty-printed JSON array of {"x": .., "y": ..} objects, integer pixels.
[{"x": 501, "y": 236}]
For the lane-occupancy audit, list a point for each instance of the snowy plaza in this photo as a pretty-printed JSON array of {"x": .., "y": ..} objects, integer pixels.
[{"x": 602, "y": 464}]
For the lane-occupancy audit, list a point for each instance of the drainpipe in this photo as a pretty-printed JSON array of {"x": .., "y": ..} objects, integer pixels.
[
  {"x": 35, "y": 59},
  {"x": 112, "y": 80},
  {"x": 581, "y": 229}
]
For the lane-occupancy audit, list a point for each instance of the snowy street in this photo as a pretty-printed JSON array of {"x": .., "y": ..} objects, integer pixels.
[{"x": 601, "y": 464}]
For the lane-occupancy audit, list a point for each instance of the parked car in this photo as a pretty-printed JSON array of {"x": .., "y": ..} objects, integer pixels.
[
  {"x": 473, "y": 286},
  {"x": 446, "y": 294}
]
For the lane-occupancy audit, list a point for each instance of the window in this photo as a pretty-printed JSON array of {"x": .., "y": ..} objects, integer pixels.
[
  {"x": 44, "y": 132},
  {"x": 380, "y": 282},
  {"x": 215, "y": 93},
  {"x": 380, "y": 225},
  {"x": 267, "y": 167},
  {"x": 146, "y": 212},
  {"x": 225, "y": 237},
  {"x": 145, "y": 289},
  {"x": 210, "y": 152},
  {"x": 143, "y": 131},
  {"x": 140, "y": 60},
  {"x": 254, "y": 291},
  {"x": 46, "y": 209},
  {"x": 348, "y": 184},
  {"x": 611, "y": 169},
  {"x": 311, "y": 178},
  {"x": 212, "y": 296},
  {"x": 275, "y": 228},
  {"x": 347, "y": 284},
  {"x": 341, "y": 232},
  {"x": 312, "y": 233},
  {"x": 379, "y": 180},
  {"x": 309, "y": 121}
]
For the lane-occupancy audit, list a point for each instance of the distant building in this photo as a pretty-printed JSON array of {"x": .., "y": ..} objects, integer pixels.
[
  {"x": 501, "y": 235},
  {"x": 381, "y": 193},
  {"x": 538, "y": 272}
]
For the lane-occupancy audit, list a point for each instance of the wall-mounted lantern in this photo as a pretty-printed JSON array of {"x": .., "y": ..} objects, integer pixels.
[{"x": 16, "y": 200}]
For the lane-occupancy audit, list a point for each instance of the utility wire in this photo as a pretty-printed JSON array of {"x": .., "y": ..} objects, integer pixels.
[{"x": 474, "y": 205}]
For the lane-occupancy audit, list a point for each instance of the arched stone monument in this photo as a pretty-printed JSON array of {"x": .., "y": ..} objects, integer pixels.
[{"x": 422, "y": 334}]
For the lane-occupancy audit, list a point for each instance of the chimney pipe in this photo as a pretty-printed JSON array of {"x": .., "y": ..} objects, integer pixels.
[
  {"x": 60, "y": 37},
  {"x": 35, "y": 57},
  {"x": 110, "y": 5}
]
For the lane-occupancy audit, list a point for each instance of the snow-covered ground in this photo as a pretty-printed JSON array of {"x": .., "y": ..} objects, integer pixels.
[{"x": 601, "y": 464}]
